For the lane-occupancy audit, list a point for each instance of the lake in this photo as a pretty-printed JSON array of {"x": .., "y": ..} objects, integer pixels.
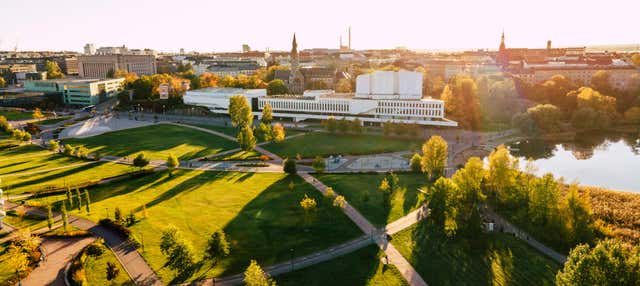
[{"x": 594, "y": 159}]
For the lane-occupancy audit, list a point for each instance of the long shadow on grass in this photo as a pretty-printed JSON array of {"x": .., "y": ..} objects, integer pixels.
[
  {"x": 273, "y": 223},
  {"x": 185, "y": 186},
  {"x": 65, "y": 173}
]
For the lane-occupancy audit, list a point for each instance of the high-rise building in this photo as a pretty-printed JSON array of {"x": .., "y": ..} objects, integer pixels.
[
  {"x": 89, "y": 49},
  {"x": 98, "y": 66}
]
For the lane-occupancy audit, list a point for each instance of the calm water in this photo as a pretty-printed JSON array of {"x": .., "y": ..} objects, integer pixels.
[{"x": 603, "y": 160}]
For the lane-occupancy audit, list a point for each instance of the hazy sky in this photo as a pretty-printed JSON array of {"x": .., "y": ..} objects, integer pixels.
[{"x": 212, "y": 25}]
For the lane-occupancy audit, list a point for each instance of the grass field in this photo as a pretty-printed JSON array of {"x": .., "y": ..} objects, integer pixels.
[
  {"x": 27, "y": 221},
  {"x": 239, "y": 156},
  {"x": 261, "y": 216},
  {"x": 362, "y": 267},
  {"x": 30, "y": 158},
  {"x": 496, "y": 259},
  {"x": 63, "y": 177},
  {"x": 96, "y": 273},
  {"x": 157, "y": 141},
  {"x": 325, "y": 144},
  {"x": 361, "y": 191},
  {"x": 233, "y": 131},
  {"x": 16, "y": 115},
  {"x": 52, "y": 120}
]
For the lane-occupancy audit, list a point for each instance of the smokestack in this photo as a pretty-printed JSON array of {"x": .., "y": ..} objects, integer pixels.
[{"x": 349, "y": 37}]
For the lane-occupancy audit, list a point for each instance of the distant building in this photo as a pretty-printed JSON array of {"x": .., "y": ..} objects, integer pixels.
[
  {"x": 383, "y": 96},
  {"x": 13, "y": 73},
  {"x": 89, "y": 49},
  {"x": 230, "y": 66},
  {"x": 98, "y": 66},
  {"x": 77, "y": 91}
]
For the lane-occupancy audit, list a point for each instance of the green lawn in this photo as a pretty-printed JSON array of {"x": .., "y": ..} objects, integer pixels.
[
  {"x": 325, "y": 144},
  {"x": 27, "y": 221},
  {"x": 96, "y": 270},
  {"x": 362, "y": 267},
  {"x": 157, "y": 141},
  {"x": 261, "y": 216},
  {"x": 63, "y": 177},
  {"x": 32, "y": 160},
  {"x": 361, "y": 191},
  {"x": 495, "y": 259},
  {"x": 53, "y": 120},
  {"x": 239, "y": 156},
  {"x": 16, "y": 115},
  {"x": 233, "y": 131}
]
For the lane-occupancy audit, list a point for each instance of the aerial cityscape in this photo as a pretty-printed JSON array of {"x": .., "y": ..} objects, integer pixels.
[{"x": 340, "y": 143}]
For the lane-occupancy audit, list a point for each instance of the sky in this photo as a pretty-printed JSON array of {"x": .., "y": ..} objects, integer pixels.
[{"x": 213, "y": 25}]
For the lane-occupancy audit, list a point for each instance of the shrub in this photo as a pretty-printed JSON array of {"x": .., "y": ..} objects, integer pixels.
[{"x": 290, "y": 166}]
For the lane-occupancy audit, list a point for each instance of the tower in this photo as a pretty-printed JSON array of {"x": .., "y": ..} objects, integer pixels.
[
  {"x": 502, "y": 58},
  {"x": 296, "y": 79}
]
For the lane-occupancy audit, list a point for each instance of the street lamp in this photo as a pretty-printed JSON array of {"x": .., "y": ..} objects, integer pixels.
[{"x": 291, "y": 251}]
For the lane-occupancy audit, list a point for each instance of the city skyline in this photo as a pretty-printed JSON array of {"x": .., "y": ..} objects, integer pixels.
[{"x": 212, "y": 26}]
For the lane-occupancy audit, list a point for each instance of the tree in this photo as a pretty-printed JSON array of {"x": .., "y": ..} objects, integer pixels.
[
  {"x": 267, "y": 114},
  {"x": 587, "y": 97},
  {"x": 69, "y": 200},
  {"x": 5, "y": 125},
  {"x": 255, "y": 276},
  {"x": 17, "y": 260},
  {"x": 79, "y": 200},
  {"x": 82, "y": 152},
  {"x": 172, "y": 163},
  {"x": 278, "y": 133},
  {"x": 578, "y": 216},
  {"x": 141, "y": 160},
  {"x": 240, "y": 111},
  {"x": 117, "y": 215},
  {"x": 343, "y": 86},
  {"x": 343, "y": 125},
  {"x": 276, "y": 87},
  {"x": 290, "y": 166},
  {"x": 169, "y": 239},
  {"x": 68, "y": 149},
  {"x": 340, "y": 202},
  {"x": 3, "y": 83},
  {"x": 65, "y": 219},
  {"x": 53, "y": 70},
  {"x": 440, "y": 202},
  {"x": 469, "y": 196},
  {"x": 416, "y": 163},
  {"x": 54, "y": 146},
  {"x": 181, "y": 258},
  {"x": 543, "y": 200},
  {"x": 318, "y": 164},
  {"x": 246, "y": 140},
  {"x": 586, "y": 118},
  {"x": 601, "y": 81},
  {"x": 434, "y": 157},
  {"x": 545, "y": 116},
  {"x": 112, "y": 271},
  {"x": 610, "y": 262},
  {"x": 217, "y": 247},
  {"x": 502, "y": 172},
  {"x": 37, "y": 114},
  {"x": 49, "y": 217},
  {"x": 331, "y": 125},
  {"x": 87, "y": 201},
  {"x": 308, "y": 204},
  {"x": 264, "y": 132},
  {"x": 461, "y": 101}
]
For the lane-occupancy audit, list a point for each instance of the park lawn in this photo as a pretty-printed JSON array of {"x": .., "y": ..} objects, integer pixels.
[
  {"x": 96, "y": 270},
  {"x": 35, "y": 161},
  {"x": 12, "y": 115},
  {"x": 233, "y": 131},
  {"x": 53, "y": 120},
  {"x": 21, "y": 152},
  {"x": 361, "y": 267},
  {"x": 495, "y": 259},
  {"x": 362, "y": 192},
  {"x": 156, "y": 141},
  {"x": 325, "y": 144},
  {"x": 238, "y": 156},
  {"x": 261, "y": 216},
  {"x": 32, "y": 222},
  {"x": 92, "y": 172}
]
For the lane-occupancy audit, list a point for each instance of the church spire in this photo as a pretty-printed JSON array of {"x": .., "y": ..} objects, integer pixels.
[
  {"x": 502, "y": 45},
  {"x": 294, "y": 45}
]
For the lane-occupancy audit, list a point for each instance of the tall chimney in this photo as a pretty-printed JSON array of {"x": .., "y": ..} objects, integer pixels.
[{"x": 349, "y": 37}]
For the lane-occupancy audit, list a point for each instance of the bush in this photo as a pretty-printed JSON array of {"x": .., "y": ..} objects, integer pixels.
[{"x": 290, "y": 166}]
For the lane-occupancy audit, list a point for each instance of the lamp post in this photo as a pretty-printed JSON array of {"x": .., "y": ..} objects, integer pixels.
[{"x": 291, "y": 251}]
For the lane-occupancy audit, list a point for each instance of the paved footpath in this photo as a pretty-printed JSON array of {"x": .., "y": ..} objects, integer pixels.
[
  {"x": 58, "y": 254},
  {"x": 394, "y": 257}
]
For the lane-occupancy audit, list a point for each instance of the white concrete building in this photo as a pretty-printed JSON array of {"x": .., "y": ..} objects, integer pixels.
[{"x": 382, "y": 96}]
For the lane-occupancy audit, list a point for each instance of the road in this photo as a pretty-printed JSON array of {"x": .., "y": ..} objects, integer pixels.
[{"x": 58, "y": 254}]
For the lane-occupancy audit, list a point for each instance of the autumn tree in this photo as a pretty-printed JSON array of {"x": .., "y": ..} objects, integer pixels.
[
  {"x": 172, "y": 163},
  {"x": 469, "y": 196},
  {"x": 240, "y": 111},
  {"x": 54, "y": 146},
  {"x": 245, "y": 138},
  {"x": 416, "y": 163},
  {"x": 318, "y": 164},
  {"x": 276, "y": 87},
  {"x": 461, "y": 102},
  {"x": 264, "y": 132},
  {"x": 255, "y": 276},
  {"x": 37, "y": 114},
  {"x": 440, "y": 200},
  {"x": 217, "y": 246},
  {"x": 503, "y": 169},
  {"x": 544, "y": 200},
  {"x": 578, "y": 216},
  {"x": 267, "y": 114},
  {"x": 53, "y": 70},
  {"x": 278, "y": 133},
  {"x": 434, "y": 157}
]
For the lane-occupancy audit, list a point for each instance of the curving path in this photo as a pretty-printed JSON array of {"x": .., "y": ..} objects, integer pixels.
[{"x": 58, "y": 253}]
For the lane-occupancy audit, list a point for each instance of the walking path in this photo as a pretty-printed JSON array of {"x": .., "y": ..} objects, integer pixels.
[
  {"x": 58, "y": 253},
  {"x": 394, "y": 257},
  {"x": 131, "y": 260}
]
